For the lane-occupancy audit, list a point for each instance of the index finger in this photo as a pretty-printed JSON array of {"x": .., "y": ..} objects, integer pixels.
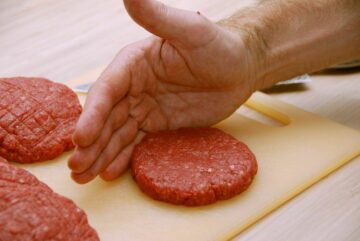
[{"x": 111, "y": 87}]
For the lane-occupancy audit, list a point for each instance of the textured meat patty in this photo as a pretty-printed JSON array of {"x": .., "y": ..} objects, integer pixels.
[
  {"x": 192, "y": 166},
  {"x": 37, "y": 119},
  {"x": 31, "y": 211}
]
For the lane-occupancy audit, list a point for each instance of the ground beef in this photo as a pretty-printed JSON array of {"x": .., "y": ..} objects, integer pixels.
[
  {"x": 37, "y": 119},
  {"x": 192, "y": 166},
  {"x": 2, "y": 160},
  {"x": 31, "y": 211}
]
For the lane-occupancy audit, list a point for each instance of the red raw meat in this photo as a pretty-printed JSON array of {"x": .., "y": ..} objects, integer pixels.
[
  {"x": 31, "y": 211},
  {"x": 192, "y": 166},
  {"x": 37, "y": 119}
]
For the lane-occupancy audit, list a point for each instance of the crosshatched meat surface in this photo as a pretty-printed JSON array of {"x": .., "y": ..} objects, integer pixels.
[
  {"x": 37, "y": 119},
  {"x": 31, "y": 211},
  {"x": 192, "y": 166}
]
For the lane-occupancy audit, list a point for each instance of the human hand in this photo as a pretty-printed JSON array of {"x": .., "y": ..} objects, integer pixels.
[{"x": 192, "y": 73}]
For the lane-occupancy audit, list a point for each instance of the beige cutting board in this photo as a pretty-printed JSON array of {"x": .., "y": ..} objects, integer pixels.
[{"x": 290, "y": 159}]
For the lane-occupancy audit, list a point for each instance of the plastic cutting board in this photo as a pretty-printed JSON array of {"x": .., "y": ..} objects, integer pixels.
[{"x": 290, "y": 158}]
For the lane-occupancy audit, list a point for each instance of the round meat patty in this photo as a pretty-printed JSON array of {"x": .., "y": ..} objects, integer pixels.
[
  {"x": 192, "y": 166},
  {"x": 31, "y": 211},
  {"x": 37, "y": 119}
]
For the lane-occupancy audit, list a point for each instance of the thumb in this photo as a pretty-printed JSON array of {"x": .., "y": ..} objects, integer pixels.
[{"x": 186, "y": 27}]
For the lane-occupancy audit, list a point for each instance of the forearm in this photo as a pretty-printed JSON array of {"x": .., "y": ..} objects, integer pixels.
[{"x": 288, "y": 38}]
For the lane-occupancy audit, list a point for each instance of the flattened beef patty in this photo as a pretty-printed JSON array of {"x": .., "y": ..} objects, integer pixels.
[
  {"x": 37, "y": 119},
  {"x": 192, "y": 166},
  {"x": 31, "y": 211}
]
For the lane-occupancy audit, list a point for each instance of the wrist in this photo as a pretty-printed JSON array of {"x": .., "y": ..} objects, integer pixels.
[
  {"x": 252, "y": 52},
  {"x": 285, "y": 39}
]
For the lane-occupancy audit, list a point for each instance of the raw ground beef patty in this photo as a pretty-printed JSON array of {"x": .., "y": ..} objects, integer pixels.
[
  {"x": 192, "y": 166},
  {"x": 31, "y": 211},
  {"x": 37, "y": 119}
]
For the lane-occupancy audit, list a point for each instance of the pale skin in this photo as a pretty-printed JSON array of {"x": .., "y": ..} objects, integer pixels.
[{"x": 194, "y": 72}]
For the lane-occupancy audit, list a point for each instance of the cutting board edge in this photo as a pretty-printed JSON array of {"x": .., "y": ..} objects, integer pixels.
[{"x": 292, "y": 195}]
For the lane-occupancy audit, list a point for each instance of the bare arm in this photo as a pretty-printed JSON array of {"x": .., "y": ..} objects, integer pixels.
[{"x": 289, "y": 38}]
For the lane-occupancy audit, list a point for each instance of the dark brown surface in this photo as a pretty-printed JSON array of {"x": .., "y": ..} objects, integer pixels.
[
  {"x": 192, "y": 166},
  {"x": 31, "y": 211},
  {"x": 37, "y": 119}
]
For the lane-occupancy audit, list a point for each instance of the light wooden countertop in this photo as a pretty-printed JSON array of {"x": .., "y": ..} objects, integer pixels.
[{"x": 65, "y": 39}]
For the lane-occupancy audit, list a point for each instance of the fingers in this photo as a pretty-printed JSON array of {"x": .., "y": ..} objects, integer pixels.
[
  {"x": 147, "y": 113},
  {"x": 120, "y": 139},
  {"x": 140, "y": 109},
  {"x": 170, "y": 23},
  {"x": 109, "y": 89},
  {"x": 121, "y": 162},
  {"x": 83, "y": 158}
]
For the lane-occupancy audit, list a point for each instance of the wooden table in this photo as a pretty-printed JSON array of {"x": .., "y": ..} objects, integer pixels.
[{"x": 64, "y": 39}]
